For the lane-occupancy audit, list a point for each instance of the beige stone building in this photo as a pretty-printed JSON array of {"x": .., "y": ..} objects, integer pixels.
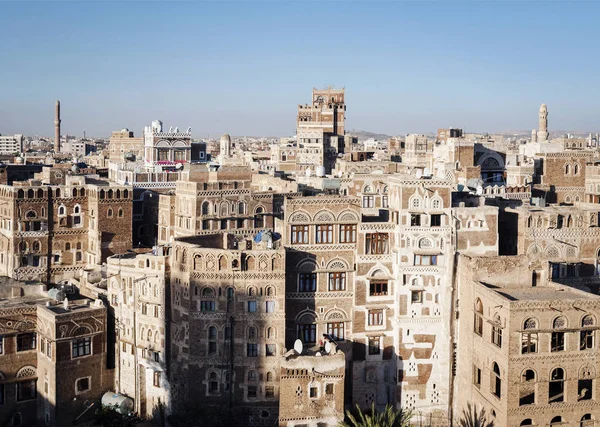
[
  {"x": 527, "y": 354},
  {"x": 228, "y": 325}
]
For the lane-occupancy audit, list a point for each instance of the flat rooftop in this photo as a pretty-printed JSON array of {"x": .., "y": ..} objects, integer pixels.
[{"x": 552, "y": 292}]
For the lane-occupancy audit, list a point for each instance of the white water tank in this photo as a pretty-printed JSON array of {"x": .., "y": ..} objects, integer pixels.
[{"x": 320, "y": 171}]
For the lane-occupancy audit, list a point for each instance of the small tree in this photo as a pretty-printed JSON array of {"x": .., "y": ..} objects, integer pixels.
[
  {"x": 390, "y": 417},
  {"x": 472, "y": 417}
]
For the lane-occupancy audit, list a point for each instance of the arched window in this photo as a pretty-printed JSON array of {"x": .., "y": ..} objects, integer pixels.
[
  {"x": 557, "y": 339},
  {"x": 529, "y": 340},
  {"x": 527, "y": 388},
  {"x": 252, "y": 333},
  {"x": 120, "y": 213},
  {"x": 270, "y": 333},
  {"x": 527, "y": 422},
  {"x": 109, "y": 212},
  {"x": 251, "y": 375},
  {"x": 558, "y": 420},
  {"x": 586, "y": 336},
  {"x": 569, "y": 221},
  {"x": 415, "y": 203},
  {"x": 36, "y": 246},
  {"x": 529, "y": 222},
  {"x": 31, "y": 215},
  {"x": 241, "y": 208},
  {"x": 436, "y": 204},
  {"x": 67, "y": 246},
  {"x": 576, "y": 169},
  {"x": 77, "y": 209},
  {"x": 497, "y": 331},
  {"x": 496, "y": 381},
  {"x": 149, "y": 335},
  {"x": 585, "y": 383},
  {"x": 269, "y": 377},
  {"x": 259, "y": 220},
  {"x": 556, "y": 387},
  {"x": 23, "y": 246},
  {"x": 586, "y": 421},
  {"x": 478, "y": 317},
  {"x": 207, "y": 292},
  {"x": 270, "y": 291},
  {"x": 110, "y": 194},
  {"x": 567, "y": 169},
  {"x": 367, "y": 189}
]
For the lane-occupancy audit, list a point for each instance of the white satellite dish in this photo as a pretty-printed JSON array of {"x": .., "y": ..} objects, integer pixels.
[
  {"x": 418, "y": 174},
  {"x": 327, "y": 347},
  {"x": 479, "y": 190},
  {"x": 298, "y": 346}
]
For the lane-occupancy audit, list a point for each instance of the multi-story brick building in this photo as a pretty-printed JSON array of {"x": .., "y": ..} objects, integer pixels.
[
  {"x": 53, "y": 228},
  {"x": 228, "y": 325},
  {"x": 527, "y": 351}
]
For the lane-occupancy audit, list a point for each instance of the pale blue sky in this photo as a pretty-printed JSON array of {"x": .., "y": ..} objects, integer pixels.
[{"x": 242, "y": 67}]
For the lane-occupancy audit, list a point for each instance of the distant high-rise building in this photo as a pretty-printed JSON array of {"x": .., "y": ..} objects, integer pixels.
[{"x": 10, "y": 144}]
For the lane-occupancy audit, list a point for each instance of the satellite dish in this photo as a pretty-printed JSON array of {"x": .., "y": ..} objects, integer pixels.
[
  {"x": 327, "y": 347},
  {"x": 479, "y": 190},
  {"x": 189, "y": 130},
  {"x": 418, "y": 174},
  {"x": 298, "y": 346},
  {"x": 308, "y": 172},
  {"x": 170, "y": 129}
]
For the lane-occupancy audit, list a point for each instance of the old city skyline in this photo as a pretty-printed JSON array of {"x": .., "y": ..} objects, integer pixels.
[{"x": 408, "y": 67}]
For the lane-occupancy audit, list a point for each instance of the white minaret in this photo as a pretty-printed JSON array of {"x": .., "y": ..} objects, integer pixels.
[
  {"x": 225, "y": 145},
  {"x": 543, "y": 126},
  {"x": 534, "y": 135}
]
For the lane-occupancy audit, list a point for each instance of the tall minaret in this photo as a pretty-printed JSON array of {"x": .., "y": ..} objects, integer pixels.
[
  {"x": 543, "y": 126},
  {"x": 57, "y": 127}
]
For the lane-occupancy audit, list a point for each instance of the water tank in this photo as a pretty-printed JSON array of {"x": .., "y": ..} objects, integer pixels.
[
  {"x": 321, "y": 171},
  {"x": 308, "y": 172},
  {"x": 121, "y": 404},
  {"x": 57, "y": 294}
]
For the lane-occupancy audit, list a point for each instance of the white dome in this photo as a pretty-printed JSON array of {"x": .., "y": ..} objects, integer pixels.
[
  {"x": 225, "y": 137},
  {"x": 19, "y": 160}
]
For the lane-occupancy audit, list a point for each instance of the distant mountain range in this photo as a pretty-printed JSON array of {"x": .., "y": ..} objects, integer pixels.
[{"x": 363, "y": 135}]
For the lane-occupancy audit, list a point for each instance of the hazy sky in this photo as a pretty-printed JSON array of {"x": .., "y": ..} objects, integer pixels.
[{"x": 242, "y": 67}]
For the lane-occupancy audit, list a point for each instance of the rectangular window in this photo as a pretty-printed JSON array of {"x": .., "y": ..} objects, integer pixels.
[
  {"x": 82, "y": 384},
  {"x": 299, "y": 234},
  {"x": 307, "y": 282},
  {"x": 384, "y": 201},
  {"x": 586, "y": 340},
  {"x": 368, "y": 201},
  {"x": 324, "y": 233},
  {"x": 82, "y": 346},
  {"x": 476, "y": 376},
  {"x": 252, "y": 391},
  {"x": 497, "y": 335},
  {"x": 375, "y": 317},
  {"x": 528, "y": 343},
  {"x": 337, "y": 281},
  {"x": 348, "y": 233},
  {"x": 207, "y": 305},
  {"x": 436, "y": 220},
  {"x": 416, "y": 297},
  {"x": 313, "y": 392},
  {"x": 213, "y": 387},
  {"x": 26, "y": 341},
  {"x": 378, "y": 288},
  {"x": 415, "y": 220},
  {"x": 426, "y": 259},
  {"x": 336, "y": 330},
  {"x": 307, "y": 333},
  {"x": 270, "y": 306},
  {"x": 374, "y": 345},
  {"x": 269, "y": 391},
  {"x": 26, "y": 390},
  {"x": 155, "y": 311},
  {"x": 252, "y": 306},
  {"x": 252, "y": 350},
  {"x": 212, "y": 347},
  {"x": 584, "y": 389},
  {"x": 156, "y": 381},
  {"x": 270, "y": 349},
  {"x": 376, "y": 243},
  {"x": 557, "y": 341},
  {"x": 329, "y": 389}
]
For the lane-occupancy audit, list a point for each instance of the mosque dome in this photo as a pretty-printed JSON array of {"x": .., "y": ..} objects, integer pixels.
[{"x": 19, "y": 160}]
